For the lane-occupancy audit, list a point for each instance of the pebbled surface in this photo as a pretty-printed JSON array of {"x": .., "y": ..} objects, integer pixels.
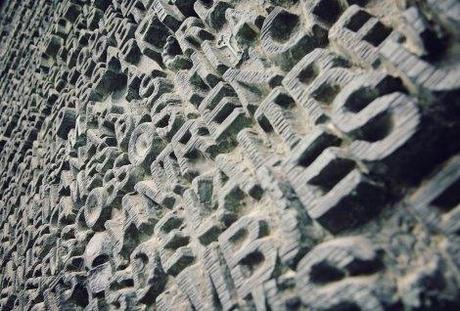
[{"x": 229, "y": 155}]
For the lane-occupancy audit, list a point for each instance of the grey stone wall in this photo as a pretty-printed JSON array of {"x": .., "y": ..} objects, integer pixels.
[{"x": 229, "y": 155}]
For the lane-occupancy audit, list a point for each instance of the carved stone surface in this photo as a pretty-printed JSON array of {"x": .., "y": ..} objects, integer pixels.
[{"x": 229, "y": 155}]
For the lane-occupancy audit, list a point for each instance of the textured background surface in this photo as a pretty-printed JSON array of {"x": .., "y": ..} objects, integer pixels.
[{"x": 250, "y": 155}]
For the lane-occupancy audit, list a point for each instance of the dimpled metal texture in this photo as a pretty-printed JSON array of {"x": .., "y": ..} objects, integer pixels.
[{"x": 188, "y": 155}]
